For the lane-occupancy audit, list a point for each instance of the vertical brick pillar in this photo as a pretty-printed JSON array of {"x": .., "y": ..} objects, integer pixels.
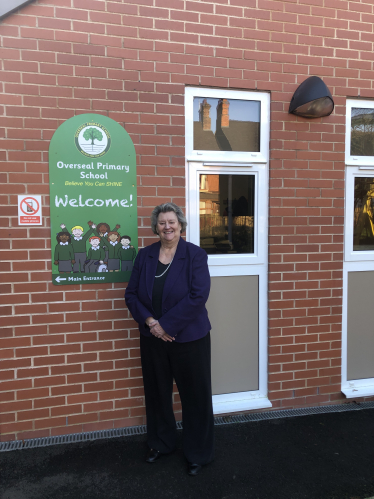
[
  {"x": 207, "y": 122},
  {"x": 225, "y": 119}
]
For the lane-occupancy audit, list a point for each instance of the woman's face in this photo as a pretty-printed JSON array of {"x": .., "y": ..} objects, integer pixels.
[{"x": 168, "y": 227}]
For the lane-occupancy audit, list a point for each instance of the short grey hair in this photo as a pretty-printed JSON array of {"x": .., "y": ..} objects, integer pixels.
[{"x": 165, "y": 208}]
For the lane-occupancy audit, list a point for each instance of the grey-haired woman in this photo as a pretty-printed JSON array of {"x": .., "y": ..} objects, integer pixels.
[{"x": 166, "y": 295}]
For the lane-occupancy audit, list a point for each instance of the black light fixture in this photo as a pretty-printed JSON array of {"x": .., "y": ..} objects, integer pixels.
[{"x": 312, "y": 99}]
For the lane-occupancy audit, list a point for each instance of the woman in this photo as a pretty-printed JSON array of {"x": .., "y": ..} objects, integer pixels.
[{"x": 166, "y": 295}]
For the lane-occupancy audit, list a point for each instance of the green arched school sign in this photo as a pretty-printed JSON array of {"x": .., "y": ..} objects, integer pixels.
[{"x": 93, "y": 199}]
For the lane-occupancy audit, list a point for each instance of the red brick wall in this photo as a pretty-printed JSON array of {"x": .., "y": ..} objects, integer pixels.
[{"x": 60, "y": 370}]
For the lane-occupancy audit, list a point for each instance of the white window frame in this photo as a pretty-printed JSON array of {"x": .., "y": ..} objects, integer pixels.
[
  {"x": 349, "y": 159},
  {"x": 232, "y": 264},
  {"x": 235, "y": 163},
  {"x": 235, "y": 265},
  {"x": 354, "y": 261},
  {"x": 231, "y": 156}
]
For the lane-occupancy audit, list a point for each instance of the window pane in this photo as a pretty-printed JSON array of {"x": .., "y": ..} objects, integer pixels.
[
  {"x": 226, "y": 125},
  {"x": 363, "y": 227},
  {"x": 227, "y": 213},
  {"x": 362, "y": 132}
]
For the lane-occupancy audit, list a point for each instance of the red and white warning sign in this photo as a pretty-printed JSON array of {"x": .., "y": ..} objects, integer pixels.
[{"x": 29, "y": 210}]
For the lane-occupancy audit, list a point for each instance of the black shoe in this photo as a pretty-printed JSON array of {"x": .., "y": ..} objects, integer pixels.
[
  {"x": 194, "y": 469},
  {"x": 152, "y": 455}
]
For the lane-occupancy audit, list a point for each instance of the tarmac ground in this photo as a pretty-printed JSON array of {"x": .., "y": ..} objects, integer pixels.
[{"x": 324, "y": 456}]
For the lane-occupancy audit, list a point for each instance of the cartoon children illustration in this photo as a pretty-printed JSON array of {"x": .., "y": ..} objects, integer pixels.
[
  {"x": 102, "y": 230},
  {"x": 78, "y": 242},
  {"x": 64, "y": 254},
  {"x": 102, "y": 267},
  {"x": 112, "y": 245},
  {"x": 96, "y": 255},
  {"x": 127, "y": 253}
]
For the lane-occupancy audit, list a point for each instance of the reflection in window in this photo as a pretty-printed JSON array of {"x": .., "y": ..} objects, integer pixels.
[
  {"x": 226, "y": 125},
  {"x": 362, "y": 132},
  {"x": 227, "y": 213},
  {"x": 363, "y": 222}
]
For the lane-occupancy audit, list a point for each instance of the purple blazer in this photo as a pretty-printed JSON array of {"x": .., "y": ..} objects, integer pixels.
[{"x": 186, "y": 291}]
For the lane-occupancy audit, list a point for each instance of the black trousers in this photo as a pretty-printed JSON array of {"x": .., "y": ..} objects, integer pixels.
[{"x": 189, "y": 364}]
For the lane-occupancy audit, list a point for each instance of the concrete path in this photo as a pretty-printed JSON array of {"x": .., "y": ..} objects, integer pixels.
[{"x": 327, "y": 456}]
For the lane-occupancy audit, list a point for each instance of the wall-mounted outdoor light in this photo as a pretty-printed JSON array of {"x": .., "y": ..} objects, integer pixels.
[{"x": 312, "y": 99}]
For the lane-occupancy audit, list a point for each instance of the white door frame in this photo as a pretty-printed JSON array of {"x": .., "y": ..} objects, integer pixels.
[
  {"x": 234, "y": 265},
  {"x": 354, "y": 261}
]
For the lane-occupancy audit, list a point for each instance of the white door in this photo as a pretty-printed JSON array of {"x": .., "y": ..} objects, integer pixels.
[
  {"x": 227, "y": 154},
  {"x": 227, "y": 213}
]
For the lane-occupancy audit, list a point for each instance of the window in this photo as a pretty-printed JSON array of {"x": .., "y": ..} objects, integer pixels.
[
  {"x": 227, "y": 150},
  {"x": 358, "y": 266},
  {"x": 359, "y": 214},
  {"x": 227, "y": 213},
  {"x": 227, "y": 125},
  {"x": 359, "y": 202},
  {"x": 359, "y": 147},
  {"x": 363, "y": 218}
]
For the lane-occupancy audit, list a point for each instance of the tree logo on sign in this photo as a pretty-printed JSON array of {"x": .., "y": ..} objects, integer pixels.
[{"x": 92, "y": 140}]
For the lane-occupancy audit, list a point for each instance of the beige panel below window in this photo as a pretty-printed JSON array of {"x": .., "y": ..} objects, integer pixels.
[
  {"x": 360, "y": 327},
  {"x": 233, "y": 312}
]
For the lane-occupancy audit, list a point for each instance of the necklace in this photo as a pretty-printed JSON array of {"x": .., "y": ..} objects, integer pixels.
[{"x": 167, "y": 268}]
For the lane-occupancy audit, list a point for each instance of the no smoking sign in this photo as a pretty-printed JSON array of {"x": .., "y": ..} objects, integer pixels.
[{"x": 29, "y": 210}]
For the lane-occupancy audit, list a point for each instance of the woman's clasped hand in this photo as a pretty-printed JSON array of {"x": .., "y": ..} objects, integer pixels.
[{"x": 157, "y": 330}]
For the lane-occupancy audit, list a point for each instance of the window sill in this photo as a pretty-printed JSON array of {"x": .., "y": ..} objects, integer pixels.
[
  {"x": 358, "y": 391},
  {"x": 239, "y": 402}
]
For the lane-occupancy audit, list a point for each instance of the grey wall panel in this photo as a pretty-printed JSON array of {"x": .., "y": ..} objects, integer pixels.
[
  {"x": 360, "y": 326},
  {"x": 233, "y": 312}
]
